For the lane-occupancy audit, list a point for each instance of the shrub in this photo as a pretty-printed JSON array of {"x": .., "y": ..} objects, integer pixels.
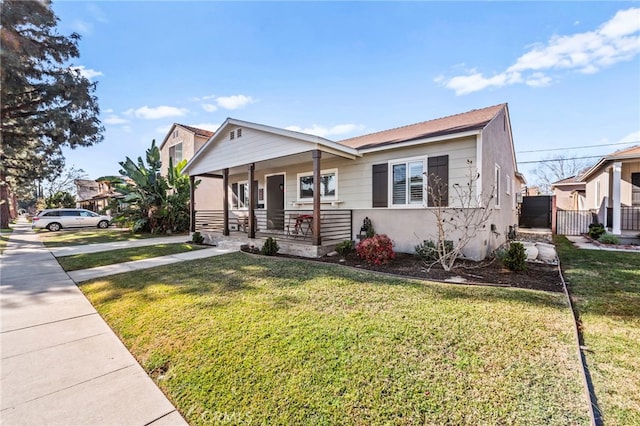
[
  {"x": 377, "y": 250},
  {"x": 515, "y": 257},
  {"x": 429, "y": 251},
  {"x": 270, "y": 247},
  {"x": 596, "y": 230},
  {"x": 345, "y": 247},
  {"x": 197, "y": 238},
  {"x": 609, "y": 239}
]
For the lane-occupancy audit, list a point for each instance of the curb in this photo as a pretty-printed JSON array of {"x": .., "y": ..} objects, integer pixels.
[{"x": 595, "y": 416}]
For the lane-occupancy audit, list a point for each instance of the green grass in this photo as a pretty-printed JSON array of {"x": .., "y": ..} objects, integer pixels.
[
  {"x": 244, "y": 339},
  {"x": 92, "y": 260},
  {"x": 5, "y": 233},
  {"x": 605, "y": 286},
  {"x": 79, "y": 237}
]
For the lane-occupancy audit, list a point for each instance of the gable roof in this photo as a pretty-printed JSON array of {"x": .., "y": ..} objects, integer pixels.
[
  {"x": 572, "y": 180},
  {"x": 468, "y": 121},
  {"x": 631, "y": 153},
  {"x": 195, "y": 130}
]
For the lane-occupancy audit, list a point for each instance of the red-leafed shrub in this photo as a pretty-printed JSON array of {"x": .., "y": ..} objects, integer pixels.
[{"x": 377, "y": 250}]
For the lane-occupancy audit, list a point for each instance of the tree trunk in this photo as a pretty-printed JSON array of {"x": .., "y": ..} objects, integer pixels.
[{"x": 4, "y": 201}]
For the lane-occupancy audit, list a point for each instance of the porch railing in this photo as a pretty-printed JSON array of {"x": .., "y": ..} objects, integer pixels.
[
  {"x": 629, "y": 218},
  {"x": 295, "y": 225}
]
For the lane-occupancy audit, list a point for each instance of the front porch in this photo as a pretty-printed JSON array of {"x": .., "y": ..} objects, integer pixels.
[{"x": 292, "y": 229}]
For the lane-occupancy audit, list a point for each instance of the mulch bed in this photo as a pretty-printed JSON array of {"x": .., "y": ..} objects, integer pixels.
[{"x": 537, "y": 276}]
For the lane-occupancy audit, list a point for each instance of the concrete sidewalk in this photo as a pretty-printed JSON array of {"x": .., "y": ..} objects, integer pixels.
[
  {"x": 60, "y": 363},
  {"x": 98, "y": 247},
  {"x": 118, "y": 268},
  {"x": 583, "y": 243}
]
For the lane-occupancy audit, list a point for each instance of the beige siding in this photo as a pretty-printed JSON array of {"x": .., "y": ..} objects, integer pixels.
[
  {"x": 567, "y": 199},
  {"x": 252, "y": 147},
  {"x": 497, "y": 149},
  {"x": 592, "y": 200},
  {"x": 625, "y": 184},
  {"x": 208, "y": 194},
  {"x": 188, "y": 145}
]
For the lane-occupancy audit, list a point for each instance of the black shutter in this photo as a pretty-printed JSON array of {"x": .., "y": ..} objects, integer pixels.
[
  {"x": 438, "y": 167},
  {"x": 234, "y": 195},
  {"x": 380, "y": 184}
]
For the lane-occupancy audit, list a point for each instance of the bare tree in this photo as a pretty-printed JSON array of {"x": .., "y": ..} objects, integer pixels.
[
  {"x": 63, "y": 181},
  {"x": 460, "y": 223},
  {"x": 553, "y": 169}
]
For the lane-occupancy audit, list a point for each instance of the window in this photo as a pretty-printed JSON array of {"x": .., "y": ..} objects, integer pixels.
[
  {"x": 239, "y": 133},
  {"x": 175, "y": 153},
  {"x": 497, "y": 186},
  {"x": 88, "y": 214},
  {"x": 175, "y": 133},
  {"x": 328, "y": 185},
  {"x": 407, "y": 183},
  {"x": 597, "y": 197},
  {"x": 232, "y": 135}
]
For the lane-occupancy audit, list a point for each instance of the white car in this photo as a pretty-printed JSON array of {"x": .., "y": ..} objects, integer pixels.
[{"x": 56, "y": 219}]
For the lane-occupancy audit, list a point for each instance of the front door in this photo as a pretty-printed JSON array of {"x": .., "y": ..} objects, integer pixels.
[{"x": 275, "y": 202}]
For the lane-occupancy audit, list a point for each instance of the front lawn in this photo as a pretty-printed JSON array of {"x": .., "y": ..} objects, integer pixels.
[
  {"x": 605, "y": 286},
  {"x": 242, "y": 339},
  {"x": 92, "y": 260},
  {"x": 72, "y": 237}
]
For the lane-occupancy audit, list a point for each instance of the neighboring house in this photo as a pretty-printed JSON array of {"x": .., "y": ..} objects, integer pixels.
[
  {"x": 613, "y": 190},
  {"x": 94, "y": 195},
  {"x": 569, "y": 193},
  {"x": 311, "y": 192},
  {"x": 181, "y": 143}
]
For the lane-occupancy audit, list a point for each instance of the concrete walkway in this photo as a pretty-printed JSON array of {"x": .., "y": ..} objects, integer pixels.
[
  {"x": 583, "y": 243},
  {"x": 60, "y": 362},
  {"x": 96, "y": 248}
]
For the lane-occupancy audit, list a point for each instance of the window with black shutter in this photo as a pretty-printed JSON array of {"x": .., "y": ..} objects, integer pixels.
[
  {"x": 438, "y": 180},
  {"x": 379, "y": 185}
]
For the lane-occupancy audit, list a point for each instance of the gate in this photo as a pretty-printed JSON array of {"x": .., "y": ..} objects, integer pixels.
[
  {"x": 573, "y": 222},
  {"x": 535, "y": 212}
]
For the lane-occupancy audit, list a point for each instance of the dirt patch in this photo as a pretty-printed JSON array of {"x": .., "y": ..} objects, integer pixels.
[{"x": 537, "y": 276}]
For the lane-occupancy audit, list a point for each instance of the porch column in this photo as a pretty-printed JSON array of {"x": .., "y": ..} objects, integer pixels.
[
  {"x": 251, "y": 218},
  {"x": 192, "y": 203},
  {"x": 617, "y": 169},
  {"x": 317, "y": 239},
  {"x": 225, "y": 202}
]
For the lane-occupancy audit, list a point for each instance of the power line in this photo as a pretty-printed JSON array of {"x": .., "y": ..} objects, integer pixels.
[
  {"x": 576, "y": 147},
  {"x": 558, "y": 159}
]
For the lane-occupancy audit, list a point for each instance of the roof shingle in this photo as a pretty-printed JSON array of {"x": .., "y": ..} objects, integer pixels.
[{"x": 467, "y": 121}]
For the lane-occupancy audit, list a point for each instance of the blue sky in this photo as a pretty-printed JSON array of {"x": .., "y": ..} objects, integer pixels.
[{"x": 569, "y": 71}]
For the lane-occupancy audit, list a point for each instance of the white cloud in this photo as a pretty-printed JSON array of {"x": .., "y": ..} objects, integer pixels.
[
  {"x": 207, "y": 126},
  {"x": 616, "y": 40},
  {"x": 234, "y": 102},
  {"x": 87, "y": 73},
  {"x": 82, "y": 27},
  {"x": 633, "y": 137},
  {"x": 164, "y": 129},
  {"x": 163, "y": 111},
  {"x": 322, "y": 131},
  {"x": 114, "y": 119},
  {"x": 209, "y": 107}
]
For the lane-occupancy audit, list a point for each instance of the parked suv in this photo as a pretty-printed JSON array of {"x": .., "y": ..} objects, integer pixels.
[{"x": 56, "y": 219}]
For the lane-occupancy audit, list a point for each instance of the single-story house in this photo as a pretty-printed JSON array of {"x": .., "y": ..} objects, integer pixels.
[
  {"x": 312, "y": 193},
  {"x": 613, "y": 190},
  {"x": 569, "y": 193},
  {"x": 181, "y": 143},
  {"x": 94, "y": 195}
]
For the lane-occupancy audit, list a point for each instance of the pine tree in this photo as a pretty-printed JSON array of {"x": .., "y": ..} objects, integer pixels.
[{"x": 46, "y": 103}]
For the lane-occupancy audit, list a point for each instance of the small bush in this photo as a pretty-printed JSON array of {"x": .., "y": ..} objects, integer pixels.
[
  {"x": 596, "y": 230},
  {"x": 429, "y": 251},
  {"x": 197, "y": 238},
  {"x": 344, "y": 248},
  {"x": 270, "y": 247},
  {"x": 515, "y": 257},
  {"x": 609, "y": 239},
  {"x": 377, "y": 250}
]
